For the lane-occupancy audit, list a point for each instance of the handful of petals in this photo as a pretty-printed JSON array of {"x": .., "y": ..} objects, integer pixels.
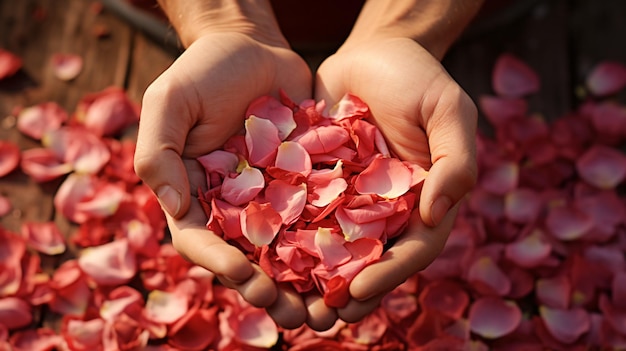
[{"x": 311, "y": 198}]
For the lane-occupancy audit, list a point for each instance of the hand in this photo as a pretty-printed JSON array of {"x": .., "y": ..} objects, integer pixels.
[
  {"x": 191, "y": 110},
  {"x": 427, "y": 119}
]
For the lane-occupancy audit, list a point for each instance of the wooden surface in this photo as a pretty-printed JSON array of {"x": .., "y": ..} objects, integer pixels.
[{"x": 561, "y": 39}]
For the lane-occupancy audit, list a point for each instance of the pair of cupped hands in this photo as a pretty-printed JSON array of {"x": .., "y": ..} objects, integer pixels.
[{"x": 200, "y": 101}]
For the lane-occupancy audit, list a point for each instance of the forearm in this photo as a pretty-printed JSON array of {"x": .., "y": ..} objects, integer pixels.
[
  {"x": 193, "y": 18},
  {"x": 435, "y": 24}
]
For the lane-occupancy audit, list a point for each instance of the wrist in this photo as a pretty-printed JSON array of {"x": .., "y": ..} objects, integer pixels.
[
  {"x": 434, "y": 24},
  {"x": 193, "y": 19}
]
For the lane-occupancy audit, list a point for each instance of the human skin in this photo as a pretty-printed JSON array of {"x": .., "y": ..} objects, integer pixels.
[{"x": 235, "y": 53}]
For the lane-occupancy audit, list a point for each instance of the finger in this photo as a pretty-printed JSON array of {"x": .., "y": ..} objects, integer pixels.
[
  {"x": 288, "y": 310},
  {"x": 451, "y": 133},
  {"x": 163, "y": 129},
  {"x": 413, "y": 251},
  {"x": 202, "y": 247},
  {"x": 319, "y": 316},
  {"x": 356, "y": 310}
]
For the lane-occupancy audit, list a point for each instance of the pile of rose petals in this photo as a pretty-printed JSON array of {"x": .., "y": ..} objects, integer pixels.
[
  {"x": 310, "y": 197},
  {"x": 535, "y": 261}
]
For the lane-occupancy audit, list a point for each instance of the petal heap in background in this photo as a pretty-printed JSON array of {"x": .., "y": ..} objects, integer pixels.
[
  {"x": 535, "y": 261},
  {"x": 310, "y": 197}
]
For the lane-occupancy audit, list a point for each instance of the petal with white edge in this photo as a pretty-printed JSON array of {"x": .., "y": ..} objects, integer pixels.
[
  {"x": 292, "y": 157},
  {"x": 255, "y": 328},
  {"x": 492, "y": 317},
  {"x": 330, "y": 249},
  {"x": 260, "y": 223},
  {"x": 244, "y": 187},
  {"x": 262, "y": 141},
  {"x": 385, "y": 177}
]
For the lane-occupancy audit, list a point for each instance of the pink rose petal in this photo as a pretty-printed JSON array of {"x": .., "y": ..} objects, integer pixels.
[
  {"x": 66, "y": 66},
  {"x": 385, "y": 177},
  {"x": 522, "y": 205},
  {"x": 15, "y": 312},
  {"x": 492, "y": 317},
  {"x": 500, "y": 110},
  {"x": 513, "y": 77},
  {"x": 288, "y": 200},
  {"x": 554, "y": 292},
  {"x": 37, "y": 120},
  {"x": 348, "y": 106},
  {"x": 323, "y": 194},
  {"x": 501, "y": 178},
  {"x": 292, "y": 157},
  {"x": 280, "y": 115},
  {"x": 43, "y": 165},
  {"x": 219, "y": 161},
  {"x": 323, "y": 139},
  {"x": 5, "y": 206},
  {"x": 44, "y": 237},
  {"x": 330, "y": 249},
  {"x": 107, "y": 112},
  {"x": 109, "y": 264},
  {"x": 9, "y": 64},
  {"x": 606, "y": 78},
  {"x": 84, "y": 335},
  {"x": 530, "y": 250},
  {"x": 445, "y": 297},
  {"x": 244, "y": 187},
  {"x": 262, "y": 141},
  {"x": 9, "y": 157},
  {"x": 76, "y": 145},
  {"x": 38, "y": 339},
  {"x": 602, "y": 167},
  {"x": 487, "y": 276},
  {"x": 260, "y": 223},
  {"x": 353, "y": 230},
  {"x": 566, "y": 325},
  {"x": 568, "y": 223},
  {"x": 255, "y": 328},
  {"x": 166, "y": 307}
]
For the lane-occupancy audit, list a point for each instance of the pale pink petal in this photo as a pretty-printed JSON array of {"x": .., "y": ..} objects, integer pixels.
[
  {"x": 9, "y": 64},
  {"x": 349, "y": 106},
  {"x": 324, "y": 175},
  {"x": 76, "y": 145},
  {"x": 15, "y": 312},
  {"x": 84, "y": 335},
  {"x": 522, "y": 205},
  {"x": 270, "y": 108},
  {"x": 219, "y": 161},
  {"x": 107, "y": 112},
  {"x": 244, "y": 187},
  {"x": 166, "y": 307},
  {"x": 529, "y": 251},
  {"x": 255, "y": 328},
  {"x": 330, "y": 249},
  {"x": 66, "y": 66},
  {"x": 109, "y": 264},
  {"x": 485, "y": 274},
  {"x": 118, "y": 301},
  {"x": 554, "y": 292},
  {"x": 9, "y": 157},
  {"x": 5, "y": 206},
  {"x": 323, "y": 139},
  {"x": 103, "y": 202},
  {"x": 501, "y": 179},
  {"x": 262, "y": 141},
  {"x": 500, "y": 110},
  {"x": 35, "y": 121},
  {"x": 565, "y": 325},
  {"x": 513, "y": 77},
  {"x": 44, "y": 237},
  {"x": 492, "y": 317},
  {"x": 43, "y": 165},
  {"x": 606, "y": 78},
  {"x": 325, "y": 193},
  {"x": 568, "y": 223},
  {"x": 353, "y": 231},
  {"x": 372, "y": 212},
  {"x": 386, "y": 177},
  {"x": 287, "y": 199},
  {"x": 445, "y": 297},
  {"x": 602, "y": 166},
  {"x": 292, "y": 157},
  {"x": 418, "y": 173},
  {"x": 260, "y": 223}
]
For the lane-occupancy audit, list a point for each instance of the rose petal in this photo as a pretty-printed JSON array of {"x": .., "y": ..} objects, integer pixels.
[
  {"x": 219, "y": 161},
  {"x": 568, "y": 223},
  {"x": 244, "y": 187},
  {"x": 445, "y": 297},
  {"x": 9, "y": 64},
  {"x": 323, "y": 139},
  {"x": 44, "y": 237},
  {"x": 166, "y": 307},
  {"x": 5, "y": 206},
  {"x": 492, "y": 317},
  {"x": 107, "y": 112},
  {"x": 500, "y": 110},
  {"x": 602, "y": 166},
  {"x": 330, "y": 249},
  {"x": 323, "y": 194},
  {"x": 513, "y": 77},
  {"x": 292, "y": 157},
  {"x": 66, "y": 66},
  {"x": 37, "y": 120},
  {"x": 288, "y": 200},
  {"x": 386, "y": 177},
  {"x": 255, "y": 328},
  {"x": 353, "y": 231},
  {"x": 337, "y": 292},
  {"x": 15, "y": 312},
  {"x": 109, "y": 264},
  {"x": 43, "y": 165},
  {"x": 9, "y": 157},
  {"x": 565, "y": 325},
  {"x": 280, "y": 115},
  {"x": 84, "y": 335},
  {"x": 39, "y": 339},
  {"x": 554, "y": 292},
  {"x": 349, "y": 106},
  {"x": 529, "y": 251},
  {"x": 606, "y": 78},
  {"x": 262, "y": 141},
  {"x": 195, "y": 331},
  {"x": 500, "y": 179},
  {"x": 76, "y": 145},
  {"x": 260, "y": 223},
  {"x": 485, "y": 274},
  {"x": 522, "y": 205}
]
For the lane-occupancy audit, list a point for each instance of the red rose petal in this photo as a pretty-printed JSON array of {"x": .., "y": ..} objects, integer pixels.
[
  {"x": 109, "y": 264},
  {"x": 602, "y": 166},
  {"x": 492, "y": 318},
  {"x": 501, "y": 179},
  {"x": 530, "y": 250},
  {"x": 9, "y": 64},
  {"x": 15, "y": 312},
  {"x": 568, "y": 223},
  {"x": 337, "y": 294},
  {"x": 9, "y": 157},
  {"x": 256, "y": 328},
  {"x": 606, "y": 78},
  {"x": 43, "y": 165},
  {"x": 487, "y": 276},
  {"x": 5, "y": 206},
  {"x": 513, "y": 77},
  {"x": 37, "y": 120},
  {"x": 66, "y": 66},
  {"x": 554, "y": 292},
  {"x": 501, "y": 110},
  {"x": 565, "y": 325},
  {"x": 445, "y": 297},
  {"x": 44, "y": 237}
]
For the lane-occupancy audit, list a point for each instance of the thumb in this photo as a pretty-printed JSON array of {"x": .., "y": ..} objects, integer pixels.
[
  {"x": 452, "y": 142},
  {"x": 160, "y": 143}
]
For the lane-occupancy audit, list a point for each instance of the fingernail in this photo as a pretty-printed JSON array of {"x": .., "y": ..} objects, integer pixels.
[
  {"x": 169, "y": 199},
  {"x": 440, "y": 207}
]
